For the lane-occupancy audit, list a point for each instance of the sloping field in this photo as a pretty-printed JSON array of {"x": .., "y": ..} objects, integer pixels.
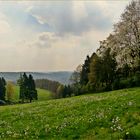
[
  {"x": 111, "y": 115},
  {"x": 42, "y": 94}
]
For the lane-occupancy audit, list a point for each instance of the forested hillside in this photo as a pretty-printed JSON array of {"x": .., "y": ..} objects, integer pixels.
[{"x": 116, "y": 62}]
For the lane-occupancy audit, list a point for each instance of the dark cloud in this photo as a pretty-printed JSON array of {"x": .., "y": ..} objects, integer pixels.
[
  {"x": 44, "y": 40},
  {"x": 63, "y": 18}
]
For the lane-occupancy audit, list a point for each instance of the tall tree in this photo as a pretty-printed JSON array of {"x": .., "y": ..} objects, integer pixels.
[
  {"x": 59, "y": 92},
  {"x": 21, "y": 88},
  {"x": 75, "y": 77},
  {"x": 9, "y": 91},
  {"x": 109, "y": 67},
  {"x": 95, "y": 70},
  {"x": 32, "y": 88},
  {"x": 27, "y": 88},
  {"x": 85, "y": 71},
  {"x": 128, "y": 32},
  {"x": 2, "y": 88}
]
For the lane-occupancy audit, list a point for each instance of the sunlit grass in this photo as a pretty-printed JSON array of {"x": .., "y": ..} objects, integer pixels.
[
  {"x": 110, "y": 115},
  {"x": 42, "y": 94}
]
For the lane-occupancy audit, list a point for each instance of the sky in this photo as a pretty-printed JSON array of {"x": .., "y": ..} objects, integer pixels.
[{"x": 44, "y": 36}]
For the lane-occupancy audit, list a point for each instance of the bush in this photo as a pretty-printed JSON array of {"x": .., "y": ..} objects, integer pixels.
[
  {"x": 137, "y": 78},
  {"x": 2, "y": 102},
  {"x": 108, "y": 88},
  {"x": 116, "y": 84},
  {"x": 127, "y": 83}
]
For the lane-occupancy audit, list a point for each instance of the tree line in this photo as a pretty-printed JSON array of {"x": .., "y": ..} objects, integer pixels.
[
  {"x": 47, "y": 84},
  {"x": 2, "y": 88},
  {"x": 58, "y": 90},
  {"x": 27, "y": 89}
]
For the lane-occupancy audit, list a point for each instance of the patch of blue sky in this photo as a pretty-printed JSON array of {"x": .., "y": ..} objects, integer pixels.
[{"x": 19, "y": 18}]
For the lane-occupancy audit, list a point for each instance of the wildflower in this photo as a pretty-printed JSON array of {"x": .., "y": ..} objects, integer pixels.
[{"x": 130, "y": 103}]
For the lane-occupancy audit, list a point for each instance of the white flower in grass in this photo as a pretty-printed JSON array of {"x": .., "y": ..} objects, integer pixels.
[
  {"x": 9, "y": 132},
  {"x": 130, "y": 103}
]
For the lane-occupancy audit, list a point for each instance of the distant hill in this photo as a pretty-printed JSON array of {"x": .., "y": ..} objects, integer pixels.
[{"x": 60, "y": 76}]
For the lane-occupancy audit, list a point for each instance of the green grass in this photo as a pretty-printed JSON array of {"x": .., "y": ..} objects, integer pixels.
[
  {"x": 42, "y": 94},
  {"x": 106, "y": 116}
]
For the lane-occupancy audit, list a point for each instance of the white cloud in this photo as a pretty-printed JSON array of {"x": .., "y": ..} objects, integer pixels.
[
  {"x": 63, "y": 52},
  {"x": 112, "y": 9},
  {"x": 44, "y": 40},
  {"x": 79, "y": 10},
  {"x": 4, "y": 25},
  {"x": 70, "y": 17},
  {"x": 29, "y": 8},
  {"x": 75, "y": 29}
]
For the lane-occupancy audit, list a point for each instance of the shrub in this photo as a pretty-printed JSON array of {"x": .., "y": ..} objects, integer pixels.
[
  {"x": 137, "y": 78},
  {"x": 2, "y": 102}
]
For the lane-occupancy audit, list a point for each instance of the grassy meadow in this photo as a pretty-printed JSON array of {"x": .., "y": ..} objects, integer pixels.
[{"x": 107, "y": 116}]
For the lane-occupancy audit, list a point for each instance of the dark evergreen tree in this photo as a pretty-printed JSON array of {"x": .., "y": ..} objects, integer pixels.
[
  {"x": 27, "y": 88},
  {"x": 2, "y": 88},
  {"x": 21, "y": 88},
  {"x": 64, "y": 92},
  {"x": 69, "y": 90},
  {"x": 126, "y": 70},
  {"x": 32, "y": 88},
  {"x": 85, "y": 71},
  {"x": 95, "y": 75},
  {"x": 109, "y": 67}
]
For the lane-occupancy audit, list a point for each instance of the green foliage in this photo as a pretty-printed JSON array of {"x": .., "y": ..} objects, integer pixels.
[
  {"x": 2, "y": 88},
  {"x": 102, "y": 71},
  {"x": 43, "y": 94},
  {"x": 9, "y": 91},
  {"x": 47, "y": 84},
  {"x": 63, "y": 91},
  {"x": 110, "y": 115},
  {"x": 85, "y": 70},
  {"x": 76, "y": 89},
  {"x": 108, "y": 67},
  {"x": 32, "y": 88},
  {"x": 131, "y": 81},
  {"x": 59, "y": 92},
  {"x": 95, "y": 70},
  {"x": 137, "y": 78},
  {"x": 27, "y": 88},
  {"x": 116, "y": 63},
  {"x": 126, "y": 70}
]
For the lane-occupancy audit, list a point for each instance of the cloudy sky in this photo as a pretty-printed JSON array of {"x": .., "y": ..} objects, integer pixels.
[{"x": 53, "y": 36}]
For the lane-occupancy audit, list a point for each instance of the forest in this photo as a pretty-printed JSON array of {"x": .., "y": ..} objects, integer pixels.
[
  {"x": 116, "y": 62},
  {"x": 27, "y": 91}
]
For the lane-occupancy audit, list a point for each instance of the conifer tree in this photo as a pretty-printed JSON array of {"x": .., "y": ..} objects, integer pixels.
[
  {"x": 32, "y": 89},
  {"x": 27, "y": 88},
  {"x": 2, "y": 88},
  {"x": 85, "y": 71}
]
